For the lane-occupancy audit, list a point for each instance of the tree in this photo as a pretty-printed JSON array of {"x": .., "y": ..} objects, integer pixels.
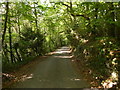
[{"x": 6, "y": 21}]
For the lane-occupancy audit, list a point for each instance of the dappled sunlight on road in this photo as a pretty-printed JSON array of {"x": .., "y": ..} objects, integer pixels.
[
  {"x": 75, "y": 79},
  {"x": 61, "y": 52},
  {"x": 64, "y": 56},
  {"x": 64, "y": 52}
]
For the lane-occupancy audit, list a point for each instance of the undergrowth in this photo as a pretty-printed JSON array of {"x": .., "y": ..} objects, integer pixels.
[{"x": 97, "y": 56}]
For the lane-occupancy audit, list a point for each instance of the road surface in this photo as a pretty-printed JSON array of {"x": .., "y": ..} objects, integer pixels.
[{"x": 56, "y": 71}]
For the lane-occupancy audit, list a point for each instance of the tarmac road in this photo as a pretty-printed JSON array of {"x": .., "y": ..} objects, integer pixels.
[{"x": 56, "y": 71}]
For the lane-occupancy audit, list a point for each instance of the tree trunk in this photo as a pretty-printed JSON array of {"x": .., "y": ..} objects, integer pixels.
[
  {"x": 37, "y": 32},
  {"x": 35, "y": 13},
  {"x": 18, "y": 26},
  {"x": 5, "y": 24},
  {"x": 10, "y": 43},
  {"x": 19, "y": 58}
]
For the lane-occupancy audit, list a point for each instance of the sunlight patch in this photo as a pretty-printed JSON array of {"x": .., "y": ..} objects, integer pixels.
[
  {"x": 61, "y": 52},
  {"x": 25, "y": 77},
  {"x": 63, "y": 56},
  {"x": 110, "y": 81},
  {"x": 75, "y": 79}
]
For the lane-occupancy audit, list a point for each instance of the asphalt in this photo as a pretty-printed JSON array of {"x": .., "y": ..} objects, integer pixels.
[{"x": 56, "y": 71}]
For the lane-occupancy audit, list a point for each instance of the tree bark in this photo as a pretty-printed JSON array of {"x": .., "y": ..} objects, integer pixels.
[
  {"x": 37, "y": 32},
  {"x": 10, "y": 43},
  {"x": 5, "y": 24},
  {"x": 18, "y": 25},
  {"x": 35, "y": 13}
]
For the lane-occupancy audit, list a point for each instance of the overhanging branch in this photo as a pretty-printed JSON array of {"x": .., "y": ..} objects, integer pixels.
[{"x": 74, "y": 15}]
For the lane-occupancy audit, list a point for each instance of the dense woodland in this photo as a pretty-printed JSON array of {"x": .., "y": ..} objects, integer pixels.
[{"x": 91, "y": 29}]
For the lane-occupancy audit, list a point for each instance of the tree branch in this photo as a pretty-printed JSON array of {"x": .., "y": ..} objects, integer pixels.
[
  {"x": 76, "y": 15},
  {"x": 66, "y": 5}
]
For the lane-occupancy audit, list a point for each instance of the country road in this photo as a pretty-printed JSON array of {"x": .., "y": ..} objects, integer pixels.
[{"x": 56, "y": 71}]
